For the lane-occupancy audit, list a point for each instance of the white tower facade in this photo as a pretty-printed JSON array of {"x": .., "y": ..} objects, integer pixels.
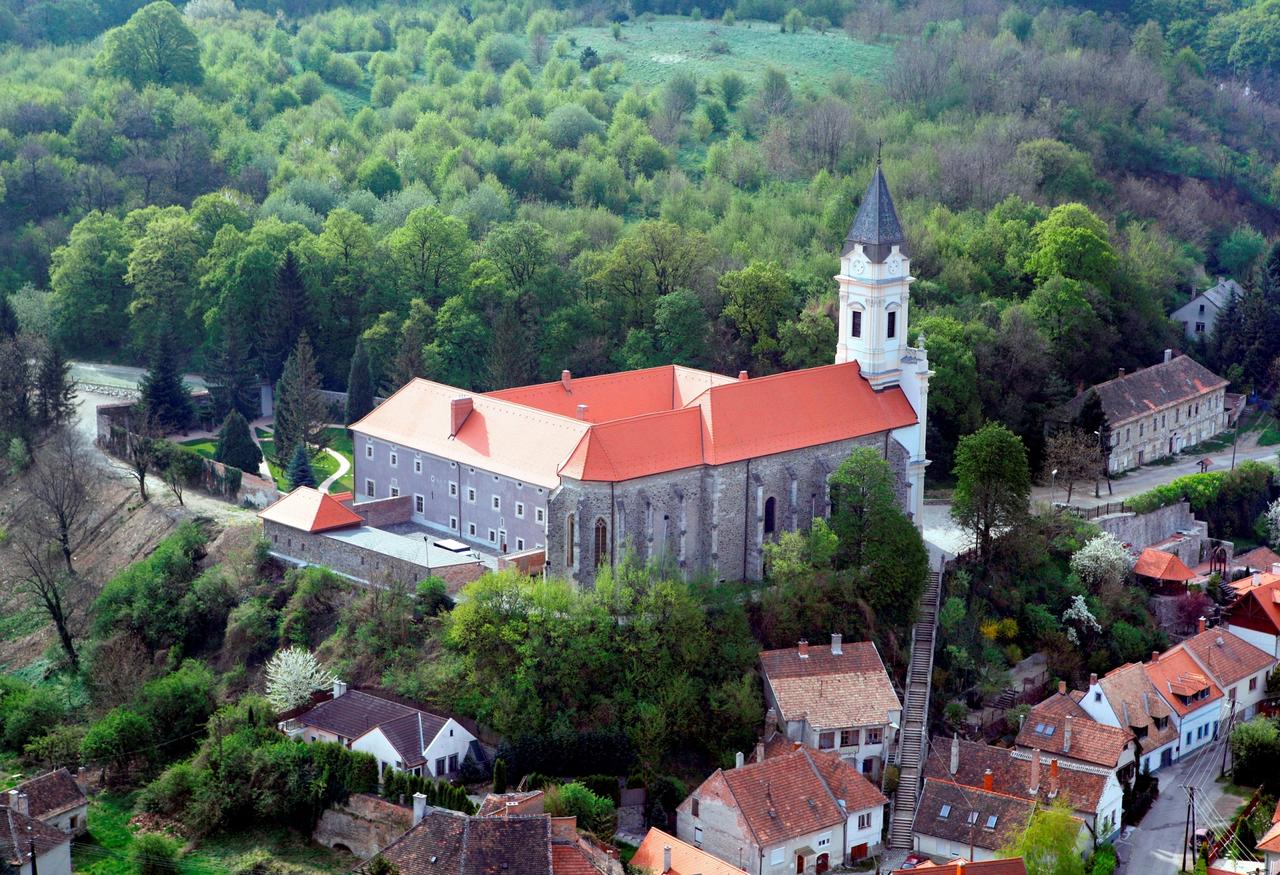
[{"x": 875, "y": 299}]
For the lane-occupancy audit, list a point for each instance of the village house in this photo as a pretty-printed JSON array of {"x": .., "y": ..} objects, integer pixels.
[
  {"x": 56, "y": 799},
  {"x": 1125, "y": 697},
  {"x": 1094, "y": 793},
  {"x": 1235, "y": 665},
  {"x": 667, "y": 463},
  {"x": 443, "y": 842},
  {"x": 1157, "y": 411},
  {"x": 963, "y": 866},
  {"x": 1060, "y": 727},
  {"x": 1196, "y": 700},
  {"x": 1254, "y": 616},
  {"x": 372, "y": 542},
  {"x": 663, "y": 854},
  {"x": 1199, "y": 316},
  {"x": 835, "y": 697},
  {"x": 802, "y": 812},
  {"x": 973, "y": 823},
  {"x": 400, "y": 736},
  {"x": 23, "y": 837}
]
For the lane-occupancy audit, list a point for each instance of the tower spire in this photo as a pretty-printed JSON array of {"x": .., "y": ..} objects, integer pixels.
[{"x": 876, "y": 226}]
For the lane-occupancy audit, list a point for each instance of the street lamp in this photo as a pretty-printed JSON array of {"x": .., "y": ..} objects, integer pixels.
[{"x": 1053, "y": 486}]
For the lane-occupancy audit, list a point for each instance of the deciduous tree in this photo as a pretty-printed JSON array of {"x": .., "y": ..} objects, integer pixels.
[
  {"x": 293, "y": 675},
  {"x": 993, "y": 483},
  {"x": 154, "y": 46}
]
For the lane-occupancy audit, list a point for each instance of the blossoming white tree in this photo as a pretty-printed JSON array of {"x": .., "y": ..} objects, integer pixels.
[
  {"x": 1273, "y": 523},
  {"x": 1102, "y": 560},
  {"x": 293, "y": 675},
  {"x": 1079, "y": 618}
]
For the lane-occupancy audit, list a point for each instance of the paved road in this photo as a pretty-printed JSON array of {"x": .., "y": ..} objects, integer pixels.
[
  {"x": 1154, "y": 847},
  {"x": 120, "y": 376}
]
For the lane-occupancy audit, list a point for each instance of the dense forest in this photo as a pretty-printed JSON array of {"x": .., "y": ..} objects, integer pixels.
[{"x": 487, "y": 194}]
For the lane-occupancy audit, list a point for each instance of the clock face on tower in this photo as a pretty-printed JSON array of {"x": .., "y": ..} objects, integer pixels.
[
  {"x": 859, "y": 266},
  {"x": 894, "y": 265}
]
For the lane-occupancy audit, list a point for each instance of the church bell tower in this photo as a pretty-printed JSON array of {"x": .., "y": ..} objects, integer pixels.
[{"x": 875, "y": 296}]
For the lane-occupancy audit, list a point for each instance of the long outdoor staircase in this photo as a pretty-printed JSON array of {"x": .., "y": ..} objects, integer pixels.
[{"x": 914, "y": 736}]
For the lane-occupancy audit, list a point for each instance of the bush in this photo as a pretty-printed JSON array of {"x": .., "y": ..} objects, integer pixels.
[
  {"x": 116, "y": 740},
  {"x": 568, "y": 123},
  {"x": 1104, "y": 860},
  {"x": 154, "y": 854},
  {"x": 342, "y": 71},
  {"x": 596, "y": 814},
  {"x": 178, "y": 705},
  {"x": 590, "y": 751},
  {"x": 1255, "y": 749},
  {"x": 145, "y": 597},
  {"x": 236, "y": 446},
  {"x": 57, "y": 749},
  {"x": 500, "y": 50},
  {"x": 251, "y": 631},
  {"x": 29, "y": 714}
]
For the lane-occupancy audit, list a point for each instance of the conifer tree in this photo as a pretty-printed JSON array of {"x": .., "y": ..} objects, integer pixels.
[
  {"x": 236, "y": 446},
  {"x": 233, "y": 383},
  {"x": 359, "y": 384},
  {"x": 499, "y": 775},
  {"x": 54, "y": 387},
  {"x": 301, "y": 411},
  {"x": 286, "y": 318},
  {"x": 164, "y": 396},
  {"x": 300, "y": 473},
  {"x": 8, "y": 319}
]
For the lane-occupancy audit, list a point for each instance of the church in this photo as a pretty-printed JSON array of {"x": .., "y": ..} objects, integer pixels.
[{"x": 670, "y": 463}]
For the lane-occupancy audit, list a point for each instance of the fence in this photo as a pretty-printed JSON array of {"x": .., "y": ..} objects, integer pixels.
[
  {"x": 1101, "y": 510},
  {"x": 1225, "y": 839}
]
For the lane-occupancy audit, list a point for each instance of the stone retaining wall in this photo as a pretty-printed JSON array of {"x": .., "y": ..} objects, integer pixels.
[{"x": 364, "y": 825}]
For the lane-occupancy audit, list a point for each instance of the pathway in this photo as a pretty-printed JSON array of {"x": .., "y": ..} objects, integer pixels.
[
  {"x": 343, "y": 467},
  {"x": 914, "y": 735}
]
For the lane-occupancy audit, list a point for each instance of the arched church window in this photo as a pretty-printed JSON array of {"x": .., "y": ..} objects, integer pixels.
[
  {"x": 602, "y": 542},
  {"x": 568, "y": 542},
  {"x": 770, "y": 509},
  {"x": 891, "y": 329},
  {"x": 855, "y": 323}
]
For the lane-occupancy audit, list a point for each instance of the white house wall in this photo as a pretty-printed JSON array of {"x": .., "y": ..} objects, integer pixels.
[
  {"x": 452, "y": 739},
  {"x": 1261, "y": 640}
]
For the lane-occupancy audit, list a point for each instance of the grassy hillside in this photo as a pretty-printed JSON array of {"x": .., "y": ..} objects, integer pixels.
[{"x": 651, "y": 51}]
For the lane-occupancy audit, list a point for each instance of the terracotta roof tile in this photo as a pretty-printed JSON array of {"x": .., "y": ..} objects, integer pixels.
[
  {"x": 500, "y": 803},
  {"x": 51, "y": 794},
  {"x": 796, "y": 794},
  {"x": 1259, "y": 558},
  {"x": 829, "y": 690},
  {"x": 685, "y": 858},
  {"x": 1147, "y": 390},
  {"x": 568, "y": 859},
  {"x": 1010, "y": 866},
  {"x": 947, "y": 811},
  {"x": 1226, "y": 657},
  {"x": 1162, "y": 566},
  {"x": 1137, "y": 704},
  {"x": 1081, "y": 785},
  {"x": 1270, "y": 840},
  {"x": 1262, "y": 600},
  {"x": 610, "y": 397},
  {"x": 1176, "y": 676},
  {"x": 1045, "y": 729},
  {"x": 17, "y": 831},
  {"x": 310, "y": 510}
]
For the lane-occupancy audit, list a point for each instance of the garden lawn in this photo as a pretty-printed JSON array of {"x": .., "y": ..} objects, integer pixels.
[
  {"x": 651, "y": 51},
  {"x": 206, "y": 447},
  {"x": 106, "y": 850},
  {"x": 323, "y": 465}
]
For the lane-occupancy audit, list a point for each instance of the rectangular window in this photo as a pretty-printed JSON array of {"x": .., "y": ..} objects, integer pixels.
[
  {"x": 419, "y": 504},
  {"x": 370, "y": 490},
  {"x": 892, "y": 329},
  {"x": 540, "y": 515},
  {"x": 875, "y": 735},
  {"x": 520, "y": 509},
  {"x": 991, "y": 821},
  {"x": 944, "y": 812},
  {"x": 519, "y": 543},
  {"x": 693, "y": 806},
  {"x": 395, "y": 489},
  {"x": 855, "y": 321},
  {"x": 395, "y": 458},
  {"x": 471, "y": 495},
  {"x": 497, "y": 503},
  {"x": 493, "y": 537},
  {"x": 417, "y": 464},
  {"x": 453, "y": 489},
  {"x": 1199, "y": 328},
  {"x": 826, "y": 740},
  {"x": 697, "y": 836},
  {"x": 368, "y": 451},
  {"x": 471, "y": 529},
  {"x": 823, "y": 840},
  {"x": 1253, "y": 684},
  {"x": 453, "y": 524},
  {"x": 1231, "y": 694},
  {"x": 848, "y": 737},
  {"x": 453, "y": 762},
  {"x": 440, "y": 765},
  {"x": 777, "y": 856},
  {"x": 864, "y": 821}
]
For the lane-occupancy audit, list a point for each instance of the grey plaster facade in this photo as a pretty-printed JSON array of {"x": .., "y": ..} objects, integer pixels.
[{"x": 711, "y": 518}]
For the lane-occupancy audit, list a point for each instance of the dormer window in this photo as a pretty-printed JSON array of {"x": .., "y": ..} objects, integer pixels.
[
  {"x": 973, "y": 818},
  {"x": 944, "y": 813},
  {"x": 991, "y": 821}
]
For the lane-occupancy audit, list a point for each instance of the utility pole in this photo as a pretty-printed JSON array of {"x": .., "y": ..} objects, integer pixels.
[
  {"x": 1186, "y": 829},
  {"x": 32, "y": 846},
  {"x": 1226, "y": 740}
]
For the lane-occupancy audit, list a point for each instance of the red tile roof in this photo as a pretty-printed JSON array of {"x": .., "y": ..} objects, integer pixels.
[
  {"x": 1228, "y": 658},
  {"x": 512, "y": 803},
  {"x": 796, "y": 794},
  {"x": 1045, "y": 729},
  {"x": 685, "y": 858},
  {"x": 960, "y": 814},
  {"x": 831, "y": 690},
  {"x": 1259, "y": 558},
  {"x": 568, "y": 859},
  {"x": 51, "y": 794},
  {"x": 450, "y": 843},
  {"x": 1175, "y": 675},
  {"x": 639, "y": 422},
  {"x": 18, "y": 831},
  {"x": 310, "y": 510},
  {"x": 1162, "y": 566},
  {"x": 1010, "y": 866},
  {"x": 1143, "y": 392},
  {"x": 1270, "y": 841},
  {"x": 1134, "y": 699},
  {"x": 1081, "y": 785},
  {"x": 1262, "y": 601}
]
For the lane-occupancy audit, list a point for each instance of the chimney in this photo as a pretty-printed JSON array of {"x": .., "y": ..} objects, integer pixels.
[
  {"x": 339, "y": 688},
  {"x": 739, "y": 760},
  {"x": 666, "y": 859},
  {"x": 1121, "y": 374},
  {"x": 1053, "y": 779},
  {"x": 770, "y": 722},
  {"x": 1155, "y": 656},
  {"x": 82, "y": 779},
  {"x": 742, "y": 376},
  {"x": 804, "y": 648},
  {"x": 1035, "y": 771},
  {"x": 1275, "y": 568},
  {"x": 988, "y": 781},
  {"x": 1200, "y": 625},
  {"x": 759, "y": 751},
  {"x": 459, "y": 410},
  {"x": 19, "y": 802},
  {"x": 1062, "y": 688},
  {"x": 419, "y": 807},
  {"x": 955, "y": 755},
  {"x": 582, "y": 411},
  {"x": 1066, "y": 735},
  {"x": 506, "y": 809},
  {"x": 837, "y": 640},
  {"x": 566, "y": 380},
  {"x": 1168, "y": 355},
  {"x": 1093, "y": 679}
]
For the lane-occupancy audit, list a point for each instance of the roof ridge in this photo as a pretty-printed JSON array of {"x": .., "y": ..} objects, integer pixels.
[
  {"x": 977, "y": 789},
  {"x": 813, "y": 766}
]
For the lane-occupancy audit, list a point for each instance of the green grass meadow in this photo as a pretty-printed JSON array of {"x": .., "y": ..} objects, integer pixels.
[
  {"x": 322, "y": 465},
  {"x": 651, "y": 51}
]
